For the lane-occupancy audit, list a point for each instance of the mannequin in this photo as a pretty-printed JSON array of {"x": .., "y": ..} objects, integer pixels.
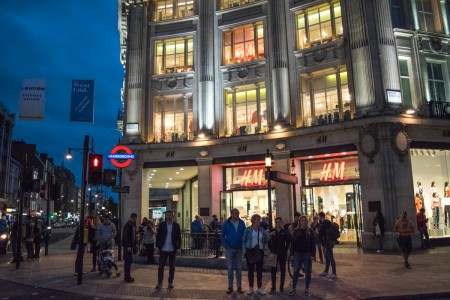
[
  {"x": 433, "y": 188},
  {"x": 418, "y": 202},
  {"x": 420, "y": 190},
  {"x": 446, "y": 203},
  {"x": 435, "y": 207}
]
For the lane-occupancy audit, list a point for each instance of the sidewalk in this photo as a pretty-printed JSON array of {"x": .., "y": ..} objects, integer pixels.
[{"x": 360, "y": 276}]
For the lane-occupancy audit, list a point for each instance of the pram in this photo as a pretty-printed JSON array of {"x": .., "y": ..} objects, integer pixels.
[{"x": 105, "y": 260}]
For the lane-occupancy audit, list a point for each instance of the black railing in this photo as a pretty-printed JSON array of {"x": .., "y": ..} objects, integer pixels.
[
  {"x": 205, "y": 244},
  {"x": 439, "y": 109}
]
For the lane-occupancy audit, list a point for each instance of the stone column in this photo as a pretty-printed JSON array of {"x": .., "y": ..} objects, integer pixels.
[
  {"x": 137, "y": 200},
  {"x": 283, "y": 192},
  {"x": 135, "y": 75},
  {"x": 205, "y": 171},
  {"x": 280, "y": 74},
  {"x": 206, "y": 66}
]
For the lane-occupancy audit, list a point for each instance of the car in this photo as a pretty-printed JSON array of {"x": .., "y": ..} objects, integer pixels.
[
  {"x": 70, "y": 223},
  {"x": 58, "y": 225},
  {"x": 4, "y": 236}
]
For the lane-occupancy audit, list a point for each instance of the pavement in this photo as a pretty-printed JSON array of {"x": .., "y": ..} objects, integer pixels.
[{"x": 361, "y": 275}]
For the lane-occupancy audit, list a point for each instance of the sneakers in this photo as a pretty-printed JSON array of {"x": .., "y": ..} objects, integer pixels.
[
  {"x": 291, "y": 292},
  {"x": 332, "y": 276},
  {"x": 281, "y": 291},
  {"x": 170, "y": 286},
  {"x": 272, "y": 291},
  {"x": 323, "y": 274},
  {"x": 407, "y": 265},
  {"x": 158, "y": 286},
  {"x": 379, "y": 251},
  {"x": 229, "y": 290},
  {"x": 261, "y": 291},
  {"x": 129, "y": 280},
  {"x": 239, "y": 290},
  {"x": 250, "y": 291},
  {"x": 306, "y": 293}
]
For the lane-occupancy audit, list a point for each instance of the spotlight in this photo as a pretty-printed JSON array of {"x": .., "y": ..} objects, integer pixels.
[{"x": 410, "y": 111}]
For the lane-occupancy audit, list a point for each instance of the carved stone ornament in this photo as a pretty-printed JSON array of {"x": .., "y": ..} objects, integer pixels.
[
  {"x": 137, "y": 166},
  {"x": 280, "y": 145},
  {"x": 400, "y": 140},
  {"x": 203, "y": 152},
  {"x": 368, "y": 142},
  {"x": 320, "y": 55},
  {"x": 242, "y": 73},
  {"x": 172, "y": 83}
]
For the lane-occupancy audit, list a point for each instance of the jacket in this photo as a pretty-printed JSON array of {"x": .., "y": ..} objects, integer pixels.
[
  {"x": 421, "y": 222},
  {"x": 323, "y": 232},
  {"x": 149, "y": 236},
  {"x": 380, "y": 222},
  {"x": 129, "y": 235},
  {"x": 230, "y": 237},
  {"x": 248, "y": 237},
  {"x": 308, "y": 236},
  {"x": 280, "y": 242},
  {"x": 162, "y": 234}
]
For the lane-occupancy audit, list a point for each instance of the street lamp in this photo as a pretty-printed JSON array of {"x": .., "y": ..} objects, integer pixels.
[
  {"x": 294, "y": 196},
  {"x": 268, "y": 164}
]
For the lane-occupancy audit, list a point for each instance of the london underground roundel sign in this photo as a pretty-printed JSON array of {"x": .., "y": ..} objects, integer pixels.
[{"x": 117, "y": 154}]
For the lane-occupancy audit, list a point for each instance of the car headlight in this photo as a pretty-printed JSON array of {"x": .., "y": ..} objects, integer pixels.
[
  {"x": 49, "y": 227},
  {"x": 3, "y": 236}
]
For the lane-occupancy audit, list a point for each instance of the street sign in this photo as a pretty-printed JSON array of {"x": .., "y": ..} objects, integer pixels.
[
  {"x": 121, "y": 189},
  {"x": 283, "y": 177}
]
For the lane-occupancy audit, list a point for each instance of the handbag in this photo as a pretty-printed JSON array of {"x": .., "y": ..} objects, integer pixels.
[
  {"x": 254, "y": 255},
  {"x": 271, "y": 260}
]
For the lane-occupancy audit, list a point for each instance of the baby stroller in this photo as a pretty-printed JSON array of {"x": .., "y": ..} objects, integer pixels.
[{"x": 106, "y": 262}]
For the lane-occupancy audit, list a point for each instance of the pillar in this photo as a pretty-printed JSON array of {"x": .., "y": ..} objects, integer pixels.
[{"x": 283, "y": 192}]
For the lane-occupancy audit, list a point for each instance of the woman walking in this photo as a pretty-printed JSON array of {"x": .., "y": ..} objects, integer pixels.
[
  {"x": 149, "y": 241},
  {"x": 254, "y": 240},
  {"x": 279, "y": 243},
  {"x": 304, "y": 249}
]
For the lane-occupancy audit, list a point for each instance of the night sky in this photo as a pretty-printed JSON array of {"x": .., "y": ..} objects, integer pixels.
[{"x": 59, "y": 40}]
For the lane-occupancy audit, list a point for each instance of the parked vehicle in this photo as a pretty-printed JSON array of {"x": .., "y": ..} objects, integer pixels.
[
  {"x": 59, "y": 225},
  {"x": 4, "y": 236}
]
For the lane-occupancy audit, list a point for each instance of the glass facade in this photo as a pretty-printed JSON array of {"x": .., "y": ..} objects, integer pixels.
[
  {"x": 174, "y": 56},
  {"x": 243, "y": 43},
  {"x": 173, "y": 9}
]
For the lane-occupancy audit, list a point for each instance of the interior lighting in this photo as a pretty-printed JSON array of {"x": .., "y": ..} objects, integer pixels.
[
  {"x": 410, "y": 111},
  {"x": 277, "y": 127},
  {"x": 201, "y": 136}
]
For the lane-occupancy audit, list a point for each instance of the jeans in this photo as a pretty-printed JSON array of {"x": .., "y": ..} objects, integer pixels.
[
  {"x": 273, "y": 272},
  {"x": 424, "y": 237},
  {"x": 37, "y": 248},
  {"x": 380, "y": 242},
  {"x": 94, "y": 250},
  {"x": 299, "y": 259},
  {"x": 446, "y": 214},
  {"x": 150, "y": 251},
  {"x": 128, "y": 260},
  {"x": 319, "y": 247},
  {"x": 251, "y": 270},
  {"x": 162, "y": 263},
  {"x": 234, "y": 261},
  {"x": 329, "y": 258},
  {"x": 106, "y": 245},
  {"x": 436, "y": 216}
]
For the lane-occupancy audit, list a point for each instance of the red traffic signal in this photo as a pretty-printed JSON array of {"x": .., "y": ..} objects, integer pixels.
[{"x": 95, "y": 175}]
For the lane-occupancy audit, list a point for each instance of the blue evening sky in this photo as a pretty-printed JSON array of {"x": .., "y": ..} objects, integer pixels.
[{"x": 58, "y": 41}]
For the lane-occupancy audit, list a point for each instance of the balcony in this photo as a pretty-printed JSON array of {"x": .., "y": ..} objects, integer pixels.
[{"x": 439, "y": 109}]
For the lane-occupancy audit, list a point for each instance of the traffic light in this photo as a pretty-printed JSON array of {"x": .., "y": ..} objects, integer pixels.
[
  {"x": 95, "y": 169},
  {"x": 109, "y": 177}
]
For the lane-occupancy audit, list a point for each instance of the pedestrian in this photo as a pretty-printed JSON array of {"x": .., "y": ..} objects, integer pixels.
[
  {"x": 17, "y": 252},
  {"x": 214, "y": 225},
  {"x": 37, "y": 237},
  {"x": 264, "y": 223},
  {"x": 29, "y": 237},
  {"x": 378, "y": 230},
  {"x": 231, "y": 239},
  {"x": 149, "y": 241},
  {"x": 93, "y": 239},
  {"x": 107, "y": 232},
  {"x": 196, "y": 232},
  {"x": 128, "y": 242},
  {"x": 315, "y": 227},
  {"x": 405, "y": 229},
  {"x": 255, "y": 238},
  {"x": 422, "y": 221},
  {"x": 168, "y": 242},
  {"x": 279, "y": 243},
  {"x": 294, "y": 224},
  {"x": 304, "y": 250},
  {"x": 327, "y": 245}
]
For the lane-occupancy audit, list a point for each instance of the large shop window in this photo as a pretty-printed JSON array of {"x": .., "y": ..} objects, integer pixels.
[
  {"x": 234, "y": 3},
  {"x": 173, "y": 118},
  {"x": 318, "y": 25},
  {"x": 173, "y": 9},
  {"x": 428, "y": 15},
  {"x": 405, "y": 82},
  {"x": 245, "y": 110},
  {"x": 436, "y": 82},
  {"x": 174, "y": 56},
  {"x": 325, "y": 97},
  {"x": 431, "y": 174},
  {"x": 243, "y": 43}
]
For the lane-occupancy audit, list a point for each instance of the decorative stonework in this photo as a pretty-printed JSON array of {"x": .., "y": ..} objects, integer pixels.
[
  {"x": 400, "y": 140},
  {"x": 249, "y": 71},
  {"x": 204, "y": 152},
  {"x": 281, "y": 145},
  {"x": 172, "y": 83},
  {"x": 137, "y": 164},
  {"x": 369, "y": 142}
]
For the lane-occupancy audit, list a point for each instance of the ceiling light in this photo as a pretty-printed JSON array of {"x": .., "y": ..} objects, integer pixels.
[
  {"x": 154, "y": 170},
  {"x": 410, "y": 111},
  {"x": 310, "y": 156},
  {"x": 181, "y": 169},
  {"x": 344, "y": 153},
  {"x": 327, "y": 155},
  {"x": 170, "y": 178},
  {"x": 277, "y": 127},
  {"x": 177, "y": 172}
]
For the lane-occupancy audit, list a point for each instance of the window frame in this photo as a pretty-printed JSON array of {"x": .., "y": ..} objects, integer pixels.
[
  {"x": 187, "y": 56},
  {"x": 229, "y": 48},
  {"x": 178, "y": 10}
]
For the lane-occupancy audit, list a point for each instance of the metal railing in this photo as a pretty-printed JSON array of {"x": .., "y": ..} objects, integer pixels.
[
  {"x": 439, "y": 109},
  {"x": 205, "y": 244}
]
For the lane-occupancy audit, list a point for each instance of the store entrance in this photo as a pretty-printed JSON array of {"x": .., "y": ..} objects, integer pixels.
[{"x": 340, "y": 203}]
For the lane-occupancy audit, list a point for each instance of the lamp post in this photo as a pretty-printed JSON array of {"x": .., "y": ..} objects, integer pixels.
[
  {"x": 294, "y": 196},
  {"x": 268, "y": 164}
]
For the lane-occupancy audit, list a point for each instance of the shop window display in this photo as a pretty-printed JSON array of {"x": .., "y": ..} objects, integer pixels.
[
  {"x": 174, "y": 56},
  {"x": 173, "y": 9},
  {"x": 243, "y": 43}
]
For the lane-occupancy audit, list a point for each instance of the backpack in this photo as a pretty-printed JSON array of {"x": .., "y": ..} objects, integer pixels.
[{"x": 333, "y": 232}]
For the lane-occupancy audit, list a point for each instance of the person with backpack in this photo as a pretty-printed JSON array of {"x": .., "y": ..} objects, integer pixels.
[
  {"x": 304, "y": 250},
  {"x": 328, "y": 233}
]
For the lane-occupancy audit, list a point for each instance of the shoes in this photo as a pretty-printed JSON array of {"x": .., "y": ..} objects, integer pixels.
[
  {"x": 250, "y": 291},
  {"x": 158, "y": 286},
  {"x": 323, "y": 274},
  {"x": 430, "y": 247},
  {"x": 93, "y": 270},
  {"x": 291, "y": 292},
  {"x": 170, "y": 286},
  {"x": 379, "y": 251},
  {"x": 13, "y": 261},
  {"x": 281, "y": 291},
  {"x": 332, "y": 276},
  {"x": 407, "y": 265},
  {"x": 117, "y": 274},
  {"x": 129, "y": 280},
  {"x": 272, "y": 291},
  {"x": 239, "y": 290},
  {"x": 306, "y": 293},
  {"x": 261, "y": 291},
  {"x": 230, "y": 290}
]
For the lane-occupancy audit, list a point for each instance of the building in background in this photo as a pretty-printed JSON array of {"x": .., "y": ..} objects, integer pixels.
[
  {"x": 7, "y": 121},
  {"x": 352, "y": 96}
]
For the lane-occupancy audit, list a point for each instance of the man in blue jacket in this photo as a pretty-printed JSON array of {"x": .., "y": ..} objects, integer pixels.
[{"x": 231, "y": 238}]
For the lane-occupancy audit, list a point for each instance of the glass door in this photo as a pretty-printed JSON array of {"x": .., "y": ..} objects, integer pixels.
[
  {"x": 358, "y": 213},
  {"x": 308, "y": 206},
  {"x": 226, "y": 204}
]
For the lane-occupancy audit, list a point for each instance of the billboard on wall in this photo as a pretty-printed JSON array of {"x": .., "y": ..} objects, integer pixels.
[{"x": 337, "y": 170}]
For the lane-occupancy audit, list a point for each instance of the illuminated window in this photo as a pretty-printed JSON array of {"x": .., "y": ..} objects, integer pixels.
[
  {"x": 235, "y": 3},
  {"x": 428, "y": 14},
  {"x": 174, "y": 56},
  {"x": 319, "y": 25},
  {"x": 436, "y": 82},
  {"x": 325, "y": 97},
  {"x": 404, "y": 79},
  {"x": 245, "y": 110},
  {"x": 173, "y": 9},
  {"x": 244, "y": 43},
  {"x": 173, "y": 118}
]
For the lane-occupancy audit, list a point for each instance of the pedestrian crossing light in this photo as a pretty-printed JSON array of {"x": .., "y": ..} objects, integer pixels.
[{"x": 95, "y": 175}]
